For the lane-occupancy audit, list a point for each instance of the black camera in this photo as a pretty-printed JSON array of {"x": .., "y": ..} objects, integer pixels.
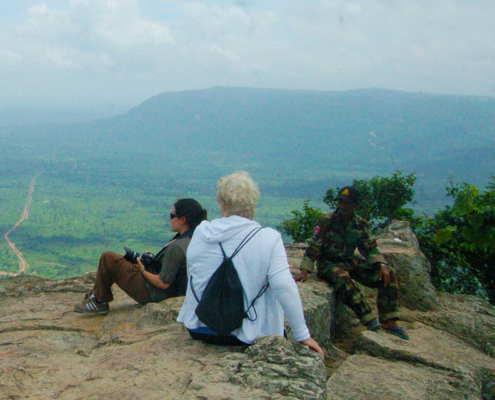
[{"x": 149, "y": 261}]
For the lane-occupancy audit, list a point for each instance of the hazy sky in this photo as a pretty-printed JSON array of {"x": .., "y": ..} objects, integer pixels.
[{"x": 125, "y": 51}]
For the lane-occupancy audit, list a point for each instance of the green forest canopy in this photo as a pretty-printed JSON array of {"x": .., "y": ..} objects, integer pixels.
[{"x": 109, "y": 183}]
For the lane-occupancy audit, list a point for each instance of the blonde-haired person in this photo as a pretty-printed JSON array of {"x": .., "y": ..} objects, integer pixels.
[
  {"x": 238, "y": 195},
  {"x": 262, "y": 260}
]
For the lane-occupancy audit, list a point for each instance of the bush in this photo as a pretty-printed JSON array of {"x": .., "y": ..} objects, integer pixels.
[
  {"x": 300, "y": 227},
  {"x": 460, "y": 241},
  {"x": 447, "y": 273},
  {"x": 382, "y": 198}
]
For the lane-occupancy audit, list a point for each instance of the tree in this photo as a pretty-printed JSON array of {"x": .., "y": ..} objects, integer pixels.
[
  {"x": 460, "y": 240},
  {"x": 382, "y": 198},
  {"x": 300, "y": 227}
]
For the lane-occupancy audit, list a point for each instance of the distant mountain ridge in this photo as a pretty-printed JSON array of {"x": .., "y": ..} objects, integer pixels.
[
  {"x": 385, "y": 128},
  {"x": 287, "y": 137}
]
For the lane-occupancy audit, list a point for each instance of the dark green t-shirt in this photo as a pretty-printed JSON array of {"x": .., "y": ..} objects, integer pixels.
[{"x": 174, "y": 269}]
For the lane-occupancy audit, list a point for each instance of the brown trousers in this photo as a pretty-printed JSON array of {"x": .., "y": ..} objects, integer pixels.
[{"x": 114, "y": 268}]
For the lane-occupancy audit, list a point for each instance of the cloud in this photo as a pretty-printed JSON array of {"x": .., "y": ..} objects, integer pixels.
[
  {"x": 10, "y": 58},
  {"x": 133, "y": 49},
  {"x": 84, "y": 34},
  {"x": 38, "y": 9}
]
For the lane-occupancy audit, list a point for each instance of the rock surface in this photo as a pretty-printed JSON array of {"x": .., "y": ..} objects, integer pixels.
[
  {"x": 49, "y": 352},
  {"x": 400, "y": 247}
]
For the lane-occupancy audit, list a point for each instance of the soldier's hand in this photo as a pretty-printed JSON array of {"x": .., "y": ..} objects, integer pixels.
[
  {"x": 384, "y": 275},
  {"x": 341, "y": 272},
  {"x": 302, "y": 277}
]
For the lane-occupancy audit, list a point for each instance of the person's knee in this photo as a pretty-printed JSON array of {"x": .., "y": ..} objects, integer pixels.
[
  {"x": 105, "y": 255},
  {"x": 108, "y": 258},
  {"x": 109, "y": 254},
  {"x": 342, "y": 280}
]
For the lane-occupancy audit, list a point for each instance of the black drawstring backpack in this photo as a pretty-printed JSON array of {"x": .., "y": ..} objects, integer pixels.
[{"x": 221, "y": 307}]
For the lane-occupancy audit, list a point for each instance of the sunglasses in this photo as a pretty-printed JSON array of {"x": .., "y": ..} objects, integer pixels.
[{"x": 172, "y": 216}]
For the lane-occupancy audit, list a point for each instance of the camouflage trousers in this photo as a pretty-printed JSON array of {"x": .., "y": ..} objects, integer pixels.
[{"x": 352, "y": 295}]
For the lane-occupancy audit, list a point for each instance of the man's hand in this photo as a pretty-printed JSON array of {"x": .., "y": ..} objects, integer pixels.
[
  {"x": 341, "y": 272},
  {"x": 302, "y": 277},
  {"x": 384, "y": 275},
  {"x": 313, "y": 345}
]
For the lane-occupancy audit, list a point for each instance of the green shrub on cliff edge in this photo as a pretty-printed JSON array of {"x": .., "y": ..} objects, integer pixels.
[
  {"x": 382, "y": 198},
  {"x": 459, "y": 241},
  {"x": 300, "y": 227}
]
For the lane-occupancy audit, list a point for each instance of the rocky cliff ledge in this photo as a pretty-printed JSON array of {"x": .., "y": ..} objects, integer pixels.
[{"x": 135, "y": 352}]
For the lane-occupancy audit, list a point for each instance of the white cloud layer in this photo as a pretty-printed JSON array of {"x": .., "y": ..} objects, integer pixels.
[{"x": 124, "y": 51}]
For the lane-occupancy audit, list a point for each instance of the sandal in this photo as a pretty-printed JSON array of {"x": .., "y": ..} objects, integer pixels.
[
  {"x": 397, "y": 331},
  {"x": 373, "y": 325}
]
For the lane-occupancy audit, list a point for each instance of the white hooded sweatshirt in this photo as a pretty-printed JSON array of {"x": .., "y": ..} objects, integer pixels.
[{"x": 263, "y": 259}]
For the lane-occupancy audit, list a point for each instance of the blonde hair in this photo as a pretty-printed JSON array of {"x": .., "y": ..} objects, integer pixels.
[{"x": 239, "y": 194}]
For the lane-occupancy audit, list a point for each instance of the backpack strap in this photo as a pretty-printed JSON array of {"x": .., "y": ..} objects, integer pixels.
[
  {"x": 192, "y": 289},
  {"x": 223, "y": 251},
  {"x": 261, "y": 293},
  {"x": 187, "y": 233},
  {"x": 249, "y": 236}
]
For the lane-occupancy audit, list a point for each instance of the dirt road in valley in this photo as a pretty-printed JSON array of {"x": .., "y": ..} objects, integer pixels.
[{"x": 23, "y": 264}]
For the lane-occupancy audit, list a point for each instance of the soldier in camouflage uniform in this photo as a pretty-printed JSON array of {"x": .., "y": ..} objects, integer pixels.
[{"x": 337, "y": 236}]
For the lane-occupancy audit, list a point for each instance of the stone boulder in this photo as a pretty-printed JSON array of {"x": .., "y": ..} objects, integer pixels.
[
  {"x": 400, "y": 247},
  {"x": 317, "y": 297},
  {"x": 378, "y": 379},
  {"x": 469, "y": 318},
  {"x": 431, "y": 365},
  {"x": 279, "y": 366}
]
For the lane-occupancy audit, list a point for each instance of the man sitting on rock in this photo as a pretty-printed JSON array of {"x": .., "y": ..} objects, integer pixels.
[{"x": 337, "y": 235}]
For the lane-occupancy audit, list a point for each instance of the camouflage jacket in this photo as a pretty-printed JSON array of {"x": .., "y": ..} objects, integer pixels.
[{"x": 334, "y": 243}]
